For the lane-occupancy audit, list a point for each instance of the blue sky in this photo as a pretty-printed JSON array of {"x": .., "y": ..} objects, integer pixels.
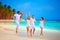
[{"x": 49, "y": 9}]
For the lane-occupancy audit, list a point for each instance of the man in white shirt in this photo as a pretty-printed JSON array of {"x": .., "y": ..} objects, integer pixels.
[
  {"x": 17, "y": 19},
  {"x": 32, "y": 26}
]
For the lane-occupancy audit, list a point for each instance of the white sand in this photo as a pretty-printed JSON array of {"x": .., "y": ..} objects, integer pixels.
[{"x": 7, "y": 32}]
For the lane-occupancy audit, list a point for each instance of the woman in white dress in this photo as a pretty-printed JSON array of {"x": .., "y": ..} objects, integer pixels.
[
  {"x": 41, "y": 25},
  {"x": 28, "y": 24}
]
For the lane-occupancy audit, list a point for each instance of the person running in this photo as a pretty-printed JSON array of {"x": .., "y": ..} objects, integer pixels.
[
  {"x": 41, "y": 25},
  {"x": 17, "y": 19},
  {"x": 28, "y": 24},
  {"x": 32, "y": 26}
]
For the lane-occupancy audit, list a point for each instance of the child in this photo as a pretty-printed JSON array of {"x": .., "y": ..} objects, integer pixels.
[
  {"x": 28, "y": 24},
  {"x": 41, "y": 25},
  {"x": 32, "y": 27},
  {"x": 17, "y": 18}
]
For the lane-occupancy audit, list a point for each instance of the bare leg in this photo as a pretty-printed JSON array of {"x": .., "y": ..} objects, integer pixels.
[
  {"x": 41, "y": 31},
  {"x": 16, "y": 30},
  {"x": 30, "y": 32},
  {"x": 33, "y": 31},
  {"x": 27, "y": 30},
  {"x": 17, "y": 26}
]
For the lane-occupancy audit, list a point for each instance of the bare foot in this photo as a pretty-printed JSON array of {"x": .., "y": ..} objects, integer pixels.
[
  {"x": 41, "y": 34},
  {"x": 16, "y": 32}
]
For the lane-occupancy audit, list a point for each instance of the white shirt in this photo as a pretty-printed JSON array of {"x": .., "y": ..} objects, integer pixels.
[
  {"x": 17, "y": 17},
  {"x": 32, "y": 21}
]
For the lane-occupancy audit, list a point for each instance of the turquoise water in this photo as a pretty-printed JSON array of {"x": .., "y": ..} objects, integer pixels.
[{"x": 47, "y": 24}]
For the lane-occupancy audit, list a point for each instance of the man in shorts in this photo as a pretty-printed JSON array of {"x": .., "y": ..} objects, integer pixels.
[
  {"x": 32, "y": 26},
  {"x": 17, "y": 19}
]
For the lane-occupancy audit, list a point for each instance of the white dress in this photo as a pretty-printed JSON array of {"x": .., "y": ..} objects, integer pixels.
[
  {"x": 28, "y": 22},
  {"x": 41, "y": 24}
]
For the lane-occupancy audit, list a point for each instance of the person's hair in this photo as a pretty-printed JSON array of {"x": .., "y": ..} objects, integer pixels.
[
  {"x": 28, "y": 17},
  {"x": 42, "y": 18},
  {"x": 18, "y": 11}
]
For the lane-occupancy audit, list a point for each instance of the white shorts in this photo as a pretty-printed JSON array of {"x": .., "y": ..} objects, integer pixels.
[
  {"x": 17, "y": 24},
  {"x": 32, "y": 27}
]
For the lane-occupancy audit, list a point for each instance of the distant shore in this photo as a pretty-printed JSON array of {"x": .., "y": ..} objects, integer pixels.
[
  {"x": 6, "y": 20},
  {"x": 25, "y": 19}
]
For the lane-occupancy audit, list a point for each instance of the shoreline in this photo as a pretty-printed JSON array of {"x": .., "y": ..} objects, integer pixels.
[
  {"x": 6, "y": 20},
  {"x": 1, "y": 24},
  {"x": 37, "y": 20},
  {"x": 24, "y": 27}
]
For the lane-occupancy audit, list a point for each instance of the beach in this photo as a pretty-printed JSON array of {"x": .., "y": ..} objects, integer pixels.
[
  {"x": 7, "y": 32},
  {"x": 44, "y": 15}
]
